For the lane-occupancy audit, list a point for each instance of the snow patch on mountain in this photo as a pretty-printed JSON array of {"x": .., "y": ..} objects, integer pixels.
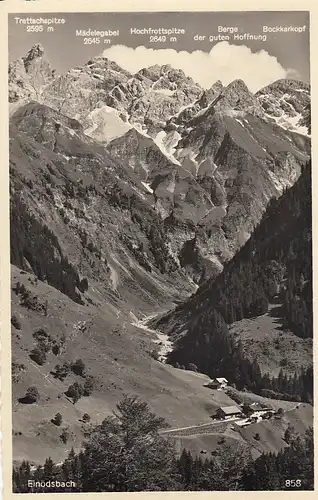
[
  {"x": 186, "y": 106},
  {"x": 171, "y": 140},
  {"x": 240, "y": 122},
  {"x": 147, "y": 186},
  {"x": 159, "y": 140},
  {"x": 201, "y": 112},
  {"x": 141, "y": 129},
  {"x": 106, "y": 124},
  {"x": 291, "y": 123},
  {"x": 286, "y": 103},
  {"x": 114, "y": 277},
  {"x": 171, "y": 186},
  {"x": 167, "y": 92}
]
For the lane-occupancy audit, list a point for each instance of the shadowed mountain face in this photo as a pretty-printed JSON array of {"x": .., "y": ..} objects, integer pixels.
[
  {"x": 99, "y": 211},
  {"x": 267, "y": 285},
  {"x": 216, "y": 176}
]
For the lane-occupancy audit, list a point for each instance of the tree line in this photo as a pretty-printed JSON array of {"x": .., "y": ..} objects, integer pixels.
[
  {"x": 213, "y": 351},
  {"x": 126, "y": 452},
  {"x": 275, "y": 262}
]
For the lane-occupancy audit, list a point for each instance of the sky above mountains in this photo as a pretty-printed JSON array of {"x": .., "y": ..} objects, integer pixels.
[
  {"x": 247, "y": 53},
  {"x": 224, "y": 62}
]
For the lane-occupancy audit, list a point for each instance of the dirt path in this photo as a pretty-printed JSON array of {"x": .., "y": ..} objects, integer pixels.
[{"x": 217, "y": 426}]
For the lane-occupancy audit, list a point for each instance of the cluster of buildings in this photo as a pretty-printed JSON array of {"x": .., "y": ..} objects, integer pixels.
[
  {"x": 252, "y": 411},
  {"x": 217, "y": 383}
]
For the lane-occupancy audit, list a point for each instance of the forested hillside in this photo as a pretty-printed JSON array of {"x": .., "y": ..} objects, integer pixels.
[
  {"x": 276, "y": 259},
  {"x": 275, "y": 262}
]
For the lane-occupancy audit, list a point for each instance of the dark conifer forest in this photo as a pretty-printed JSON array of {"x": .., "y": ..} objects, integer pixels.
[
  {"x": 275, "y": 262},
  {"x": 126, "y": 452},
  {"x": 33, "y": 244}
]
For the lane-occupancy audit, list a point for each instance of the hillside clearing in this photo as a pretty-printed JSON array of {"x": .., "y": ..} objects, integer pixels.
[{"x": 274, "y": 346}]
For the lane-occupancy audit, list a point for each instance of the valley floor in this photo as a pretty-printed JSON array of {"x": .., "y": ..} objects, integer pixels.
[
  {"x": 164, "y": 343},
  {"x": 118, "y": 351}
]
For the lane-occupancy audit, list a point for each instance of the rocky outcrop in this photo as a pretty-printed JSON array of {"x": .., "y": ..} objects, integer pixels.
[
  {"x": 285, "y": 102},
  {"x": 29, "y": 75}
]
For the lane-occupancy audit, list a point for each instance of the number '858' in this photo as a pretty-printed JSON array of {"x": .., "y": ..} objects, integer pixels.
[{"x": 293, "y": 483}]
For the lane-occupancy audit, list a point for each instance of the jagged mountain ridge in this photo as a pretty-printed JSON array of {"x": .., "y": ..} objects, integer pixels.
[
  {"x": 201, "y": 155},
  {"x": 286, "y": 103},
  {"x": 222, "y": 174},
  {"x": 29, "y": 75},
  {"x": 152, "y": 96}
]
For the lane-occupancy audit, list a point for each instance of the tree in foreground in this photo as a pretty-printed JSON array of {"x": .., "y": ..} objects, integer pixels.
[
  {"x": 75, "y": 391},
  {"x": 127, "y": 453},
  {"x": 78, "y": 367},
  {"x": 38, "y": 355}
]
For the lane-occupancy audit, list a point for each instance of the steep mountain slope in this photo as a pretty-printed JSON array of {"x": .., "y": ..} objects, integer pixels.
[
  {"x": 115, "y": 353},
  {"x": 89, "y": 254},
  {"x": 213, "y": 177},
  {"x": 153, "y": 95},
  {"x": 249, "y": 157},
  {"x": 126, "y": 192},
  {"x": 149, "y": 97},
  {"x": 98, "y": 212},
  {"x": 209, "y": 161},
  {"x": 274, "y": 264},
  {"x": 118, "y": 357},
  {"x": 84, "y": 89}
]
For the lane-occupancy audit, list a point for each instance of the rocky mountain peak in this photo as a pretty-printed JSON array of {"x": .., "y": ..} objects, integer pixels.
[
  {"x": 35, "y": 52},
  {"x": 236, "y": 91},
  {"x": 216, "y": 87},
  {"x": 29, "y": 75},
  {"x": 285, "y": 84},
  {"x": 102, "y": 62},
  {"x": 209, "y": 95},
  {"x": 156, "y": 72},
  {"x": 236, "y": 96},
  {"x": 286, "y": 102}
]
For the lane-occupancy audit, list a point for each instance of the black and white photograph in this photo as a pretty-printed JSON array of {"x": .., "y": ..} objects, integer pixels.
[{"x": 161, "y": 251}]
